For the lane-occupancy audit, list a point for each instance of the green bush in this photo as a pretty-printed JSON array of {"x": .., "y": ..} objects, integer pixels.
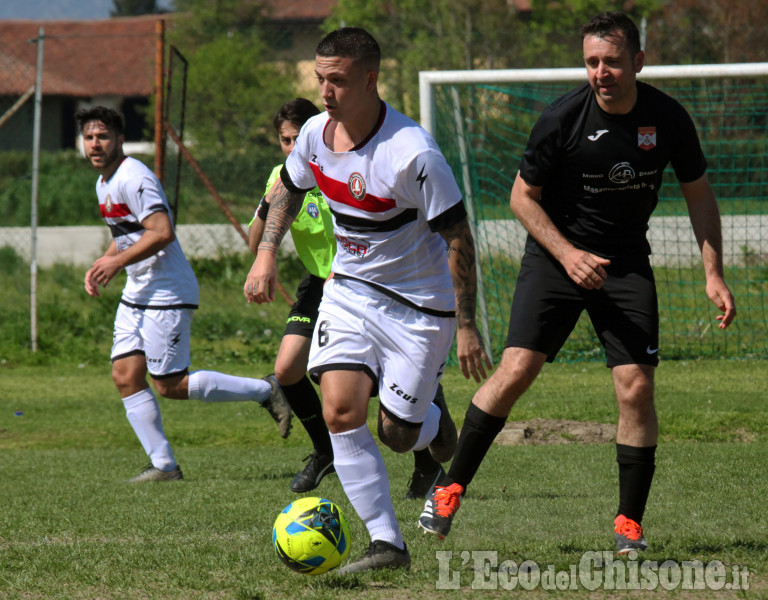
[
  {"x": 66, "y": 182},
  {"x": 65, "y": 190},
  {"x": 73, "y": 327}
]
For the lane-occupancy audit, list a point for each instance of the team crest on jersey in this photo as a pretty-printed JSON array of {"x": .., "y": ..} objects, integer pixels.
[
  {"x": 108, "y": 204},
  {"x": 356, "y": 185},
  {"x": 312, "y": 210},
  {"x": 646, "y": 138}
]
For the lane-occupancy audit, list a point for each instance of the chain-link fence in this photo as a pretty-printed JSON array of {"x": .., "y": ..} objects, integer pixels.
[{"x": 17, "y": 91}]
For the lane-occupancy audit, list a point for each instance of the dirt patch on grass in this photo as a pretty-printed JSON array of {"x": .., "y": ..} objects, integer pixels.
[{"x": 556, "y": 431}]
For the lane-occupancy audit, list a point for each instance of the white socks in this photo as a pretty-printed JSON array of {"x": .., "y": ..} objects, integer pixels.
[
  {"x": 210, "y": 386},
  {"x": 428, "y": 428},
  {"x": 144, "y": 416},
  {"x": 364, "y": 478}
]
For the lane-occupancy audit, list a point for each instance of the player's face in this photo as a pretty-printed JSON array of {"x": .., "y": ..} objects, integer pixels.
[
  {"x": 102, "y": 146},
  {"x": 288, "y": 134},
  {"x": 612, "y": 72},
  {"x": 345, "y": 86}
]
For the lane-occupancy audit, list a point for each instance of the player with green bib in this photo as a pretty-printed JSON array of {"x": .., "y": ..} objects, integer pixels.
[{"x": 312, "y": 234}]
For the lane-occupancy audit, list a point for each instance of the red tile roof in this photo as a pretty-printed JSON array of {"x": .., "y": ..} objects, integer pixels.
[
  {"x": 113, "y": 57},
  {"x": 302, "y": 9}
]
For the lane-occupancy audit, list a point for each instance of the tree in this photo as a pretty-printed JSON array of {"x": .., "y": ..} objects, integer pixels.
[
  {"x": 130, "y": 8},
  {"x": 234, "y": 85},
  {"x": 471, "y": 34},
  {"x": 444, "y": 34},
  {"x": 710, "y": 31}
]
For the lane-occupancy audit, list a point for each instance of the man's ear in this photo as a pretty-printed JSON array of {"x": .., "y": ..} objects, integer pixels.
[
  {"x": 372, "y": 80},
  {"x": 639, "y": 61}
]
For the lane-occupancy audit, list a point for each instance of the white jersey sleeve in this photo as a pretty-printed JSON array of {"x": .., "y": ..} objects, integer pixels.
[
  {"x": 428, "y": 181},
  {"x": 297, "y": 164},
  {"x": 143, "y": 195}
]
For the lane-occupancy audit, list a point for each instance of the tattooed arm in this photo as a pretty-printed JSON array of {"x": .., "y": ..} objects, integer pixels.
[
  {"x": 461, "y": 263},
  {"x": 262, "y": 278}
]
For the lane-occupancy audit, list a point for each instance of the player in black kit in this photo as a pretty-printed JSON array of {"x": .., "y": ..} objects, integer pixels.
[{"x": 587, "y": 185}]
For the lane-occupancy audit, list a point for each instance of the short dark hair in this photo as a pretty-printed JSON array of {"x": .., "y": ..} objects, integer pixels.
[
  {"x": 297, "y": 112},
  {"x": 610, "y": 24},
  {"x": 109, "y": 116},
  {"x": 351, "y": 42}
]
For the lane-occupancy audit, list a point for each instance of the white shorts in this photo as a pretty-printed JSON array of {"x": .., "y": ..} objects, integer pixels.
[
  {"x": 162, "y": 336},
  {"x": 402, "y": 349}
]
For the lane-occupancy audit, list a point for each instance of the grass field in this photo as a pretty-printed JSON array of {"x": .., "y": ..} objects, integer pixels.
[{"x": 70, "y": 527}]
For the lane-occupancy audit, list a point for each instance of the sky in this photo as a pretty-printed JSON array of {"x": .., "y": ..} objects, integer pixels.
[{"x": 46, "y": 10}]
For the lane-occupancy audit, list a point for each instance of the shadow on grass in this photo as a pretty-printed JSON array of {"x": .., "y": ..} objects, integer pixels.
[{"x": 334, "y": 581}]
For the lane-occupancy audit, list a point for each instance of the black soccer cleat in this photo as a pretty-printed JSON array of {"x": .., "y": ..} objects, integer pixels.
[
  {"x": 317, "y": 467},
  {"x": 380, "y": 555}
]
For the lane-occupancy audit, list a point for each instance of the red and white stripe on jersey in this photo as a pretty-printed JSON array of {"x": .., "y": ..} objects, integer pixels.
[
  {"x": 117, "y": 210},
  {"x": 383, "y": 195},
  {"x": 340, "y": 191}
]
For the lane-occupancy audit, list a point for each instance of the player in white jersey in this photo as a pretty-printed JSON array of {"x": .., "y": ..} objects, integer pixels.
[
  {"x": 152, "y": 325},
  {"x": 404, "y": 279}
]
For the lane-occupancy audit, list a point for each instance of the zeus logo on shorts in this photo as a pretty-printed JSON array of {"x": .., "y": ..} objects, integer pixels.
[
  {"x": 399, "y": 391},
  {"x": 352, "y": 246}
]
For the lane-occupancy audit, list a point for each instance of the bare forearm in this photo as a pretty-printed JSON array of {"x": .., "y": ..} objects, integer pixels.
[
  {"x": 709, "y": 236},
  {"x": 705, "y": 220},
  {"x": 536, "y": 221},
  {"x": 283, "y": 208},
  {"x": 255, "y": 233},
  {"x": 463, "y": 269},
  {"x": 148, "y": 245}
]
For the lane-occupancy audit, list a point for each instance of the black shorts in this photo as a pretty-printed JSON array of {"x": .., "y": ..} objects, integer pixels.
[
  {"x": 301, "y": 320},
  {"x": 624, "y": 312}
]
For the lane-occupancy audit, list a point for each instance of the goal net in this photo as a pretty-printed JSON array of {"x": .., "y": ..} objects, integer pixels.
[{"x": 482, "y": 119}]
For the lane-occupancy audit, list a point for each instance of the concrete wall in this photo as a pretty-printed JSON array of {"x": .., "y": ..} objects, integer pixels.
[
  {"x": 81, "y": 245},
  {"x": 745, "y": 238}
]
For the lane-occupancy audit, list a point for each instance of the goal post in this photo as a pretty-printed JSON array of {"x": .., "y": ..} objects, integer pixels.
[{"x": 482, "y": 118}]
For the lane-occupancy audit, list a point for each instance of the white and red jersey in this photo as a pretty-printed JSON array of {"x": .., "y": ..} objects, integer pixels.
[
  {"x": 389, "y": 197},
  {"x": 165, "y": 279}
]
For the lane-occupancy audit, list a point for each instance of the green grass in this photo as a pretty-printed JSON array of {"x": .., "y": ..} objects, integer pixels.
[{"x": 72, "y": 528}]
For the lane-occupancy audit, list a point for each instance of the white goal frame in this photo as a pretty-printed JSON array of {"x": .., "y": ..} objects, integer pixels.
[{"x": 428, "y": 79}]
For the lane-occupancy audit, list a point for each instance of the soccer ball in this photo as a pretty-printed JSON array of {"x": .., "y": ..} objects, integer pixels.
[{"x": 311, "y": 536}]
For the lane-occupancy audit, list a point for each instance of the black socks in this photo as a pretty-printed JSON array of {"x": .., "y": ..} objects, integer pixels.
[
  {"x": 305, "y": 403},
  {"x": 636, "y": 467},
  {"x": 477, "y": 435}
]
